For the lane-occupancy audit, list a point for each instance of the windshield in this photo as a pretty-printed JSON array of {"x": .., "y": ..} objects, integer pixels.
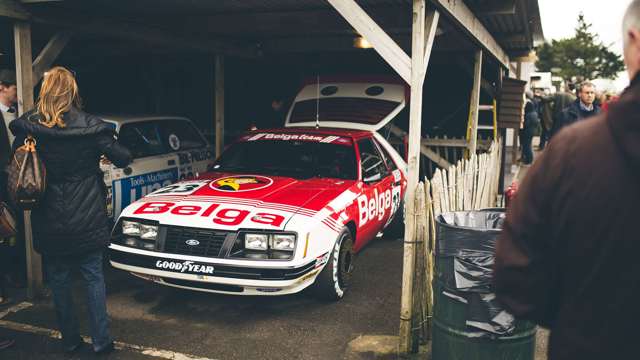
[
  {"x": 297, "y": 159},
  {"x": 351, "y": 110}
]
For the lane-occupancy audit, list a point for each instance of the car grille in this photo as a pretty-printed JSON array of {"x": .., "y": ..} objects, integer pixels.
[
  {"x": 204, "y": 285},
  {"x": 209, "y": 241}
]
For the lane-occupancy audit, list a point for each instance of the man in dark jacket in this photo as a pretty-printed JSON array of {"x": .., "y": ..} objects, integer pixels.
[
  {"x": 568, "y": 255},
  {"x": 582, "y": 108},
  {"x": 531, "y": 123}
]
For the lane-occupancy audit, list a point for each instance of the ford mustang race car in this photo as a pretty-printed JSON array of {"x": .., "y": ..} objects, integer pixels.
[{"x": 283, "y": 209}]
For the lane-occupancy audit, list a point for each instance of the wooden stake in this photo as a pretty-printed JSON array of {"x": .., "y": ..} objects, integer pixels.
[{"x": 415, "y": 123}]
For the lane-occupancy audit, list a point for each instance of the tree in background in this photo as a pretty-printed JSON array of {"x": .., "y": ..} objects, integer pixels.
[{"x": 581, "y": 57}]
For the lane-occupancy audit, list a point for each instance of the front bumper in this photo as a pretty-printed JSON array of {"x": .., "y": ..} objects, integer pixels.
[{"x": 201, "y": 274}]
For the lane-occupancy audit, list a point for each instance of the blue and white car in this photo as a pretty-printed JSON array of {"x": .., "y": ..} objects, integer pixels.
[{"x": 165, "y": 149}]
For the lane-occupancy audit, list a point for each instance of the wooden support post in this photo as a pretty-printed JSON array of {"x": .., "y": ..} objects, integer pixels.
[
  {"x": 474, "y": 104},
  {"x": 415, "y": 123},
  {"x": 219, "y": 103},
  {"x": 391, "y": 52},
  {"x": 49, "y": 54},
  {"x": 24, "y": 77}
]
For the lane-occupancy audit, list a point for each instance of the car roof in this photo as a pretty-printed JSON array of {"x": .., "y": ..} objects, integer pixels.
[
  {"x": 122, "y": 119},
  {"x": 317, "y": 131}
]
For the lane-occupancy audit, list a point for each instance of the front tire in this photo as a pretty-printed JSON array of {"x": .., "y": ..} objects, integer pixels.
[
  {"x": 395, "y": 230},
  {"x": 334, "y": 280}
]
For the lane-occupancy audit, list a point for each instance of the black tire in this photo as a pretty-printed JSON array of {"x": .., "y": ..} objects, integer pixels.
[
  {"x": 395, "y": 230},
  {"x": 332, "y": 283}
]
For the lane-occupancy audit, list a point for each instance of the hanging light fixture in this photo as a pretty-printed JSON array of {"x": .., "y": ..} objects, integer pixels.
[{"x": 361, "y": 43}]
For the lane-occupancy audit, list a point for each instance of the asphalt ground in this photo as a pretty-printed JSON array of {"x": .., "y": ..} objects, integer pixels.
[{"x": 147, "y": 317}]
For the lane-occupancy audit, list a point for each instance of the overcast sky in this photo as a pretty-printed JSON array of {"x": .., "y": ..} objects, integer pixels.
[{"x": 559, "y": 19}]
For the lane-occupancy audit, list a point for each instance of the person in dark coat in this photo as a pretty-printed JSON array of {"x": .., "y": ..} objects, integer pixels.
[
  {"x": 567, "y": 258},
  {"x": 582, "y": 108},
  {"x": 531, "y": 122},
  {"x": 70, "y": 224}
]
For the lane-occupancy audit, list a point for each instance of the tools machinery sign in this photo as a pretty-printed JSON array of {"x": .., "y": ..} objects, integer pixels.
[{"x": 135, "y": 187}]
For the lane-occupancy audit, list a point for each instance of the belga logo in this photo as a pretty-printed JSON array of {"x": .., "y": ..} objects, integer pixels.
[{"x": 185, "y": 266}]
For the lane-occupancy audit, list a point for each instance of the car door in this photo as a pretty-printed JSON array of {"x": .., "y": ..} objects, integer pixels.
[
  {"x": 153, "y": 165},
  {"x": 375, "y": 202},
  {"x": 193, "y": 151},
  {"x": 164, "y": 151}
]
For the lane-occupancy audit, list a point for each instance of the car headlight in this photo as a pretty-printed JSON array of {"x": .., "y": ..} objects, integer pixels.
[
  {"x": 256, "y": 241},
  {"x": 130, "y": 228},
  {"x": 283, "y": 242},
  {"x": 148, "y": 232}
]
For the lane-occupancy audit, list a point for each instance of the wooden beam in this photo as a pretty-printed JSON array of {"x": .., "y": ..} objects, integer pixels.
[
  {"x": 24, "y": 79},
  {"x": 475, "y": 104},
  {"x": 219, "y": 103},
  {"x": 505, "y": 7},
  {"x": 425, "y": 143},
  {"x": 49, "y": 54},
  {"x": 445, "y": 142},
  {"x": 431, "y": 27},
  {"x": 464, "y": 17},
  {"x": 12, "y": 9},
  {"x": 484, "y": 84},
  {"x": 24, "y": 65},
  {"x": 418, "y": 42},
  {"x": 382, "y": 43},
  {"x": 134, "y": 31}
]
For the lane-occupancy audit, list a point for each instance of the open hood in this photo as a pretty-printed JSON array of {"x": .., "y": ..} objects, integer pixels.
[{"x": 348, "y": 105}]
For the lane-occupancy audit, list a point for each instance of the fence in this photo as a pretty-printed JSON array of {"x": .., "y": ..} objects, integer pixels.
[
  {"x": 450, "y": 149},
  {"x": 471, "y": 184}
]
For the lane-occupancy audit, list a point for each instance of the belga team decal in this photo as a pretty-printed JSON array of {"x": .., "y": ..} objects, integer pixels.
[{"x": 241, "y": 183}]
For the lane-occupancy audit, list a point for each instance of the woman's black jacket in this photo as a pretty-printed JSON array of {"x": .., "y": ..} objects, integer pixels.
[{"x": 71, "y": 219}]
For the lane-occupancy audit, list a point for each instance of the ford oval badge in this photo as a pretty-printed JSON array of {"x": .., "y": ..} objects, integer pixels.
[{"x": 192, "y": 242}]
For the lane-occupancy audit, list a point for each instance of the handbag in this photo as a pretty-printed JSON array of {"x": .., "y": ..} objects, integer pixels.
[
  {"x": 26, "y": 176},
  {"x": 8, "y": 223}
]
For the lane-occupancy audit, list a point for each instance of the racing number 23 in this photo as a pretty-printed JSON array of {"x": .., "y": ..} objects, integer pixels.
[{"x": 177, "y": 189}]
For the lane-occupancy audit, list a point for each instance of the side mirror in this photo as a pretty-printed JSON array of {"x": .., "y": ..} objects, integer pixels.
[{"x": 373, "y": 178}]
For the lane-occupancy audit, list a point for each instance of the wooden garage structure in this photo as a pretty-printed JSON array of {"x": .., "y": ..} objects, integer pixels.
[{"x": 481, "y": 36}]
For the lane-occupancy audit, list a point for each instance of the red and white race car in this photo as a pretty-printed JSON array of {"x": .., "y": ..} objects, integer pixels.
[{"x": 284, "y": 208}]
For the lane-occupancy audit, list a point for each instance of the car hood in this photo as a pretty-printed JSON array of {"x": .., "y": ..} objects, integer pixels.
[{"x": 238, "y": 201}]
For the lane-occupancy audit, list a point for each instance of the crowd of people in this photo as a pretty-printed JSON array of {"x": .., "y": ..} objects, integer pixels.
[
  {"x": 547, "y": 114},
  {"x": 566, "y": 258}
]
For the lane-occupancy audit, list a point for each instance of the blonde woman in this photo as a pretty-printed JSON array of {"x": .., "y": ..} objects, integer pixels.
[{"x": 70, "y": 225}]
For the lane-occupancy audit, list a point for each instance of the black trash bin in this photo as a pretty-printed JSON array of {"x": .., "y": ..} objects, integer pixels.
[{"x": 468, "y": 323}]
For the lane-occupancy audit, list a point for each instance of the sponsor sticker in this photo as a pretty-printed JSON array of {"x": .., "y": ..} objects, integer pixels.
[
  {"x": 241, "y": 183},
  {"x": 376, "y": 207},
  {"x": 297, "y": 137},
  {"x": 219, "y": 214},
  {"x": 185, "y": 266},
  {"x": 174, "y": 142}
]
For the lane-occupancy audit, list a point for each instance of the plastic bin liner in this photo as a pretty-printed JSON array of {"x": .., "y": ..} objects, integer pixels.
[
  {"x": 466, "y": 247},
  {"x": 473, "y": 273},
  {"x": 484, "y": 313},
  {"x": 471, "y": 231}
]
